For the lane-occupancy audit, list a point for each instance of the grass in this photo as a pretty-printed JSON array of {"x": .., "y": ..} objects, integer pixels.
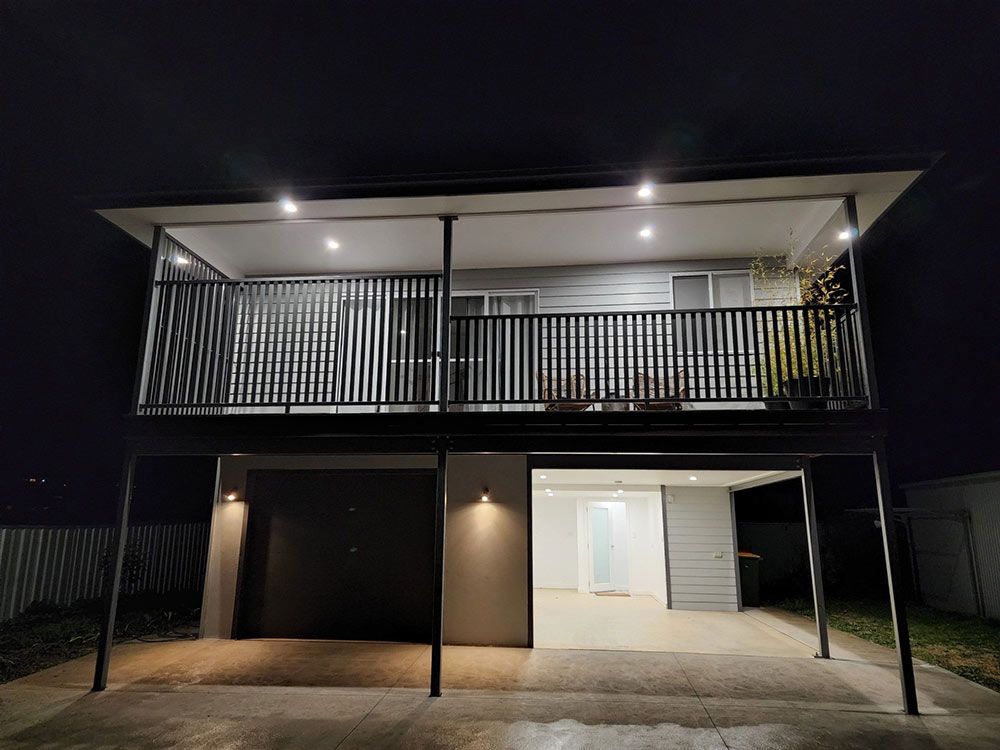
[
  {"x": 45, "y": 634},
  {"x": 966, "y": 645}
]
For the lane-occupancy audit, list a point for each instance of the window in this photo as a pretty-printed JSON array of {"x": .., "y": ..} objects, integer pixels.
[
  {"x": 710, "y": 290},
  {"x": 479, "y": 364}
]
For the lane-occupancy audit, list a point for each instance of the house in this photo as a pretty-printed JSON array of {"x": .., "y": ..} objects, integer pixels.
[{"x": 438, "y": 402}]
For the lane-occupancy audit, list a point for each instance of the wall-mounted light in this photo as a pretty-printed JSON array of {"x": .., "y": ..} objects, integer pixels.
[
  {"x": 231, "y": 495},
  {"x": 485, "y": 496},
  {"x": 646, "y": 233}
]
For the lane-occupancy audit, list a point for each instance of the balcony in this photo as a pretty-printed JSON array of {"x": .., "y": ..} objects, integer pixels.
[
  {"x": 372, "y": 344},
  {"x": 698, "y": 296}
]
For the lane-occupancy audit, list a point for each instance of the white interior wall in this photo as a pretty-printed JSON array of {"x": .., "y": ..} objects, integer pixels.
[
  {"x": 554, "y": 542},
  {"x": 560, "y": 555}
]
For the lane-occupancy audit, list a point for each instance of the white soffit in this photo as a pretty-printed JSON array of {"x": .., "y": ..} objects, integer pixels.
[{"x": 374, "y": 235}]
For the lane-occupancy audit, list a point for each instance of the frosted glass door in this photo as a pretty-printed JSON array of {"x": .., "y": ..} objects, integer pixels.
[{"x": 600, "y": 548}]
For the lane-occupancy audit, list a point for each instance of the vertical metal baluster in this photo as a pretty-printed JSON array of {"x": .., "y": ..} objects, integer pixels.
[
  {"x": 788, "y": 344},
  {"x": 779, "y": 347},
  {"x": 830, "y": 367},
  {"x": 722, "y": 320},
  {"x": 798, "y": 347}
]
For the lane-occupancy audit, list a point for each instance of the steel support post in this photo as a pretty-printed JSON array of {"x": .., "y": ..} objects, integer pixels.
[
  {"x": 815, "y": 566},
  {"x": 897, "y": 603},
  {"x": 437, "y": 619},
  {"x": 112, "y": 579}
]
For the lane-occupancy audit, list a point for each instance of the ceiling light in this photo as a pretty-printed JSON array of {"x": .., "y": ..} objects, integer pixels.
[
  {"x": 845, "y": 235},
  {"x": 693, "y": 478},
  {"x": 645, "y": 191},
  {"x": 288, "y": 206},
  {"x": 646, "y": 233},
  {"x": 485, "y": 496},
  {"x": 231, "y": 495},
  {"x": 331, "y": 244},
  {"x": 621, "y": 492},
  {"x": 548, "y": 490},
  {"x": 543, "y": 476}
]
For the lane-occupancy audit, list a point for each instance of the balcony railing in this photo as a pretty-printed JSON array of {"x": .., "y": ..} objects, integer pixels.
[
  {"x": 371, "y": 343},
  {"x": 782, "y": 355}
]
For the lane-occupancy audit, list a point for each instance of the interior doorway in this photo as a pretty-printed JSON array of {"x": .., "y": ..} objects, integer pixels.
[{"x": 607, "y": 543}]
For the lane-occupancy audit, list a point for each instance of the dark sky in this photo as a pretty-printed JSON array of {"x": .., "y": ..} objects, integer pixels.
[{"x": 139, "y": 97}]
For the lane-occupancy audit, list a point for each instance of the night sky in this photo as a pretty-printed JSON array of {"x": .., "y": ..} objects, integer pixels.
[{"x": 141, "y": 97}]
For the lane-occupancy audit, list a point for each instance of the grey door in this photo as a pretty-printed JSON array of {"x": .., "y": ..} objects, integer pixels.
[{"x": 338, "y": 555}]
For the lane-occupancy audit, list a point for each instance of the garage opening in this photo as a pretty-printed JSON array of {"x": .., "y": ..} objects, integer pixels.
[
  {"x": 643, "y": 560},
  {"x": 341, "y": 555}
]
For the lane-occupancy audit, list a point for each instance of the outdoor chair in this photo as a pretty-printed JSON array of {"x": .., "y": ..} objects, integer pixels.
[
  {"x": 655, "y": 394},
  {"x": 568, "y": 394}
]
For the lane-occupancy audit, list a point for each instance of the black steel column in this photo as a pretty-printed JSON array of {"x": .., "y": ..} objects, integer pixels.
[
  {"x": 444, "y": 324},
  {"x": 437, "y": 619},
  {"x": 861, "y": 297},
  {"x": 815, "y": 568},
  {"x": 147, "y": 312},
  {"x": 896, "y": 601},
  {"x": 112, "y": 581}
]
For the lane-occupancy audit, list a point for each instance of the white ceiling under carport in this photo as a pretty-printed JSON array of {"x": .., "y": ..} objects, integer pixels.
[{"x": 601, "y": 481}]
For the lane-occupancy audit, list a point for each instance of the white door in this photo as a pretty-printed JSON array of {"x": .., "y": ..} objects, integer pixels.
[{"x": 601, "y": 547}]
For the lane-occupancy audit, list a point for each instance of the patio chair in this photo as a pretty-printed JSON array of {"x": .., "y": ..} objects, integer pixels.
[
  {"x": 655, "y": 394},
  {"x": 569, "y": 394}
]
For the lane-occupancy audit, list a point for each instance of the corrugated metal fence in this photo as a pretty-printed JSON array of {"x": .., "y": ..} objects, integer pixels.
[
  {"x": 955, "y": 525},
  {"x": 63, "y": 564}
]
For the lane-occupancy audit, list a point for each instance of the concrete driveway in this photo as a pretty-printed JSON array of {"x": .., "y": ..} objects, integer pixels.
[{"x": 243, "y": 694}]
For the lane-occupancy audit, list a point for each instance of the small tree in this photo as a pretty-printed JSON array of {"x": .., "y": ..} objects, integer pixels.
[{"x": 817, "y": 284}]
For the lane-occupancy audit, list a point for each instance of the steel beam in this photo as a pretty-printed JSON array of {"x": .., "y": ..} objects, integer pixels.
[
  {"x": 437, "y": 616},
  {"x": 897, "y": 603},
  {"x": 112, "y": 582},
  {"x": 815, "y": 567}
]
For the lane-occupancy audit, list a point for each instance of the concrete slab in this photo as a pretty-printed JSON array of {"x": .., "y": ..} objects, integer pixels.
[
  {"x": 567, "y": 619},
  {"x": 215, "y": 694}
]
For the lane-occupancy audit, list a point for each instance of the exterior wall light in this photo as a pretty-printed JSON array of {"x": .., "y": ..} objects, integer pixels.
[
  {"x": 485, "y": 497},
  {"x": 231, "y": 495}
]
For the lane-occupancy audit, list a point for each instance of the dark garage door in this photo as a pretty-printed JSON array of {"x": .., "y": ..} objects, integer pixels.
[{"x": 340, "y": 555}]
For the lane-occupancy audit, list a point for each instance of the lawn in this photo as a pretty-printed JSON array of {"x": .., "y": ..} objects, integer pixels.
[
  {"x": 45, "y": 635},
  {"x": 963, "y": 644}
]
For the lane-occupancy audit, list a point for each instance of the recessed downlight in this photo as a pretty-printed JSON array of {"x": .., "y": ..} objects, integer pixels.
[
  {"x": 543, "y": 476},
  {"x": 332, "y": 244},
  {"x": 844, "y": 235},
  {"x": 646, "y": 233},
  {"x": 288, "y": 206},
  {"x": 645, "y": 190},
  {"x": 693, "y": 478}
]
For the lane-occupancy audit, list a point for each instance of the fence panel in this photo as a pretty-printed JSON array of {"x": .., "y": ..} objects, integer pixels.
[{"x": 63, "y": 564}]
